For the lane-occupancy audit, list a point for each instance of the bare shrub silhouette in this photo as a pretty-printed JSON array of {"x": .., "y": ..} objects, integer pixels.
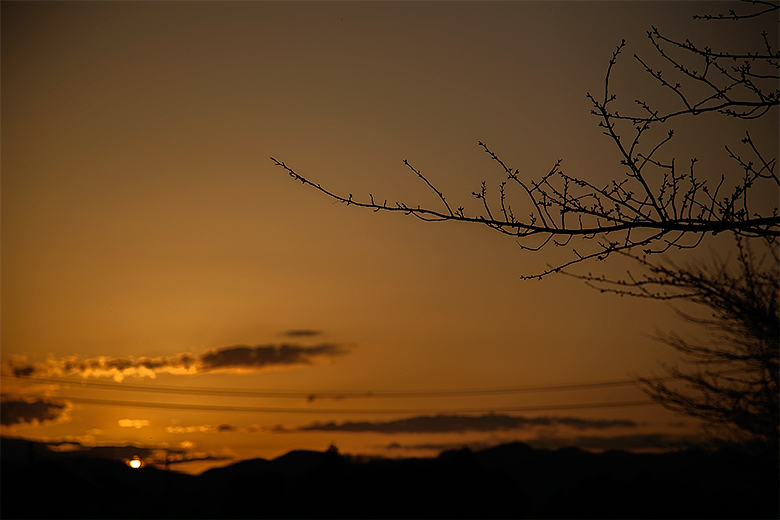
[{"x": 734, "y": 387}]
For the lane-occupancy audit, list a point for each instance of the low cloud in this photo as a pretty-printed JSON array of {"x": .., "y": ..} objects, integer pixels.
[
  {"x": 237, "y": 358},
  {"x": 24, "y": 371},
  {"x": 597, "y": 424},
  {"x": 262, "y": 356},
  {"x": 473, "y": 446},
  {"x": 198, "y": 458},
  {"x": 24, "y": 449},
  {"x": 19, "y": 411},
  {"x": 302, "y": 333},
  {"x": 461, "y": 423},
  {"x": 630, "y": 442},
  {"x": 205, "y": 428},
  {"x": 638, "y": 441},
  {"x": 133, "y": 423}
]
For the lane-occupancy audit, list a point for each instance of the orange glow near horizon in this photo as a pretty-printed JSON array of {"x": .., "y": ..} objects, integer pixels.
[{"x": 167, "y": 289}]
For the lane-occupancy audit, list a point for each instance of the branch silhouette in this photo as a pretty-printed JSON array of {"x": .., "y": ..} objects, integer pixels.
[{"x": 655, "y": 206}]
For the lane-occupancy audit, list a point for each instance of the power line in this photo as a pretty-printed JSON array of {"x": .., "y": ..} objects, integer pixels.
[
  {"x": 361, "y": 411},
  {"x": 230, "y": 392}
]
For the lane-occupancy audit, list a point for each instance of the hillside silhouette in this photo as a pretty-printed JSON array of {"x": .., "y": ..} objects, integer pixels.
[{"x": 507, "y": 481}]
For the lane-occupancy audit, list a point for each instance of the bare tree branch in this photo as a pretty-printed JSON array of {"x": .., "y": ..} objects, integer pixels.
[{"x": 652, "y": 206}]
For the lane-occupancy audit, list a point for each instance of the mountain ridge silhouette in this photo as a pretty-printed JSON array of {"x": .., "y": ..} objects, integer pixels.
[{"x": 507, "y": 481}]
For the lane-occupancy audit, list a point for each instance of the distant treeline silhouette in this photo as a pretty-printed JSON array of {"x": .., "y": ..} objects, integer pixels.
[{"x": 507, "y": 481}]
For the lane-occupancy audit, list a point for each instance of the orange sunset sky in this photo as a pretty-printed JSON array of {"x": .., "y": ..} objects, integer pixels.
[{"x": 153, "y": 255}]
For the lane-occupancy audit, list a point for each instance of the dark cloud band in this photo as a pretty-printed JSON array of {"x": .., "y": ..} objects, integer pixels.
[
  {"x": 262, "y": 356},
  {"x": 302, "y": 332},
  {"x": 20, "y": 411},
  {"x": 637, "y": 441},
  {"x": 23, "y": 449},
  {"x": 633, "y": 441},
  {"x": 465, "y": 423},
  {"x": 239, "y": 358}
]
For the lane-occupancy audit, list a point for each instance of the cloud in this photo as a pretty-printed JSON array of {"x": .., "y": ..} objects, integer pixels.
[
  {"x": 598, "y": 424},
  {"x": 638, "y": 441},
  {"x": 460, "y": 423},
  {"x": 302, "y": 332},
  {"x": 122, "y": 452},
  {"x": 24, "y": 371},
  {"x": 21, "y": 449},
  {"x": 20, "y": 411},
  {"x": 237, "y": 358},
  {"x": 66, "y": 446},
  {"x": 133, "y": 423},
  {"x": 473, "y": 446},
  {"x": 635, "y": 441},
  {"x": 204, "y": 428},
  {"x": 199, "y": 458},
  {"x": 243, "y": 357}
]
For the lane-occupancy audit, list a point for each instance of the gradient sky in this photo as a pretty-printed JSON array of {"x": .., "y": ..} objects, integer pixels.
[{"x": 148, "y": 240}]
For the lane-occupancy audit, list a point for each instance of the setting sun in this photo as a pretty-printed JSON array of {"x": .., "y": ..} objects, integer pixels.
[{"x": 135, "y": 462}]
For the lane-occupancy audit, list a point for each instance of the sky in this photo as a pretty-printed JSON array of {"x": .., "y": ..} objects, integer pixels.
[{"x": 166, "y": 286}]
